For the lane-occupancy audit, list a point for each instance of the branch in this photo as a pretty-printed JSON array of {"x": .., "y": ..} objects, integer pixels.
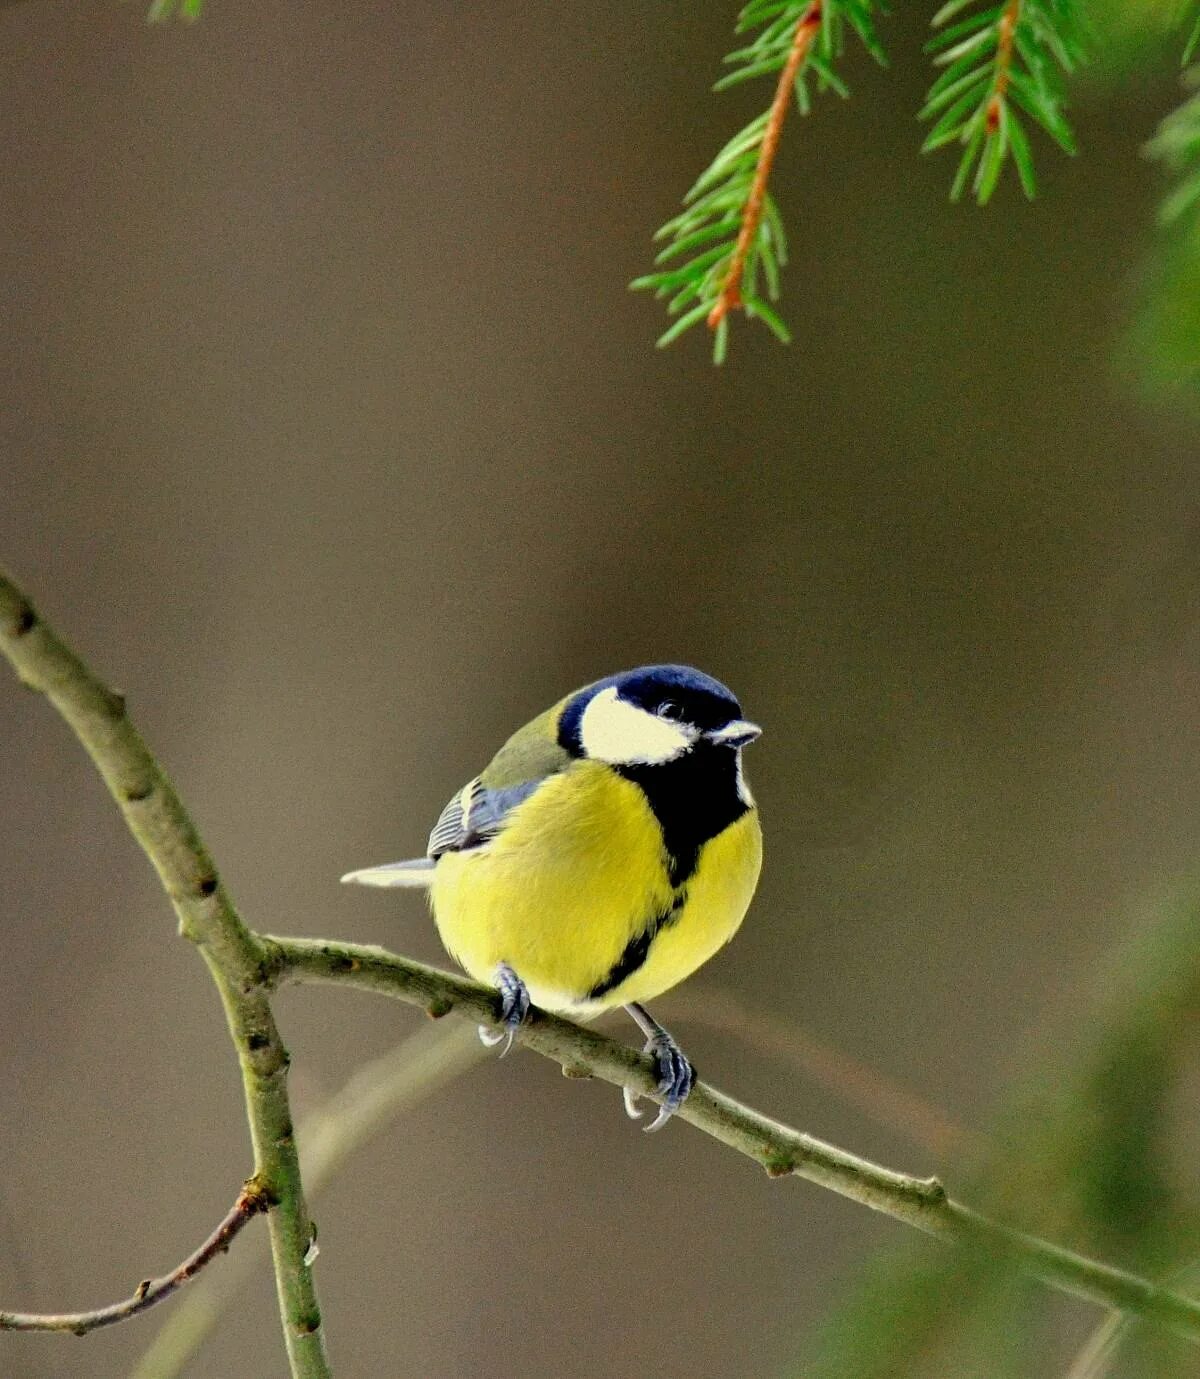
[
  {"x": 1176, "y": 145},
  {"x": 1095, "y": 1358},
  {"x": 729, "y": 295},
  {"x": 996, "y": 60},
  {"x": 1006, "y": 32},
  {"x": 781, "y": 1150},
  {"x": 428, "y": 1060},
  {"x": 730, "y": 233},
  {"x": 207, "y": 916},
  {"x": 252, "y": 1200},
  {"x": 1166, "y": 334}
]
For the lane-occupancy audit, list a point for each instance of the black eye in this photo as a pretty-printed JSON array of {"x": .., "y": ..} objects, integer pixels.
[{"x": 670, "y": 708}]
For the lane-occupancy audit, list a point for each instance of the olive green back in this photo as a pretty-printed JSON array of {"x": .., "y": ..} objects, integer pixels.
[{"x": 532, "y": 753}]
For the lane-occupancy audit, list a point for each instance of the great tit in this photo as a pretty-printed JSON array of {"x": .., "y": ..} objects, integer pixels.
[{"x": 610, "y": 848}]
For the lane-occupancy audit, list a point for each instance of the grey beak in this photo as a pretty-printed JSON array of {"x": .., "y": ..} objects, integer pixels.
[{"x": 736, "y": 734}]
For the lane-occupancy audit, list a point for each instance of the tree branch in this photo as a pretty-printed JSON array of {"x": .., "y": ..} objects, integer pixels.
[
  {"x": 730, "y": 295},
  {"x": 426, "y": 1062},
  {"x": 252, "y": 1200},
  {"x": 207, "y": 916},
  {"x": 781, "y": 1150},
  {"x": 1006, "y": 32}
]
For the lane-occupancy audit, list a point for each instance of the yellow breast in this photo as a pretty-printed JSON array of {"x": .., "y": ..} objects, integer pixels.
[{"x": 578, "y": 873}]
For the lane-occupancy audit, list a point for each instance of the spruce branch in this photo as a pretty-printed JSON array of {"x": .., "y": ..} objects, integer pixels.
[
  {"x": 207, "y": 916},
  {"x": 1001, "y": 62},
  {"x": 1166, "y": 334},
  {"x": 730, "y": 231},
  {"x": 729, "y": 296},
  {"x": 781, "y": 1150},
  {"x": 1087, "y": 1144},
  {"x": 252, "y": 1200}
]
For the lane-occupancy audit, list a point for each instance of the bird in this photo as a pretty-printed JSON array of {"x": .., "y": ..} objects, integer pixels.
[{"x": 609, "y": 849}]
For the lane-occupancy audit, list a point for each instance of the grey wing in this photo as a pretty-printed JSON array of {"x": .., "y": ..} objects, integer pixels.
[
  {"x": 472, "y": 818},
  {"x": 475, "y": 815}
]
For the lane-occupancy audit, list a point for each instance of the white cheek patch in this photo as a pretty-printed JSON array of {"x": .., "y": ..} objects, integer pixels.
[
  {"x": 620, "y": 733},
  {"x": 742, "y": 788}
]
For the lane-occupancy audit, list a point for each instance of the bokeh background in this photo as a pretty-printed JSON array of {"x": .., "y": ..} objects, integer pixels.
[{"x": 329, "y": 432}]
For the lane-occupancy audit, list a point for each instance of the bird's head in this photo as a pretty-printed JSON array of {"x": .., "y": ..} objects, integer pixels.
[{"x": 651, "y": 716}]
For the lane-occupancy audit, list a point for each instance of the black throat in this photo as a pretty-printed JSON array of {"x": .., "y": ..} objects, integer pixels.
[{"x": 694, "y": 798}]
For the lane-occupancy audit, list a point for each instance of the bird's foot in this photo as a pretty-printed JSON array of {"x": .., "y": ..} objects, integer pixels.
[
  {"x": 514, "y": 1007},
  {"x": 675, "y": 1072}
]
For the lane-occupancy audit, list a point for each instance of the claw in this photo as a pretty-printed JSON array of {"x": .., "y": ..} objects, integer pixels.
[
  {"x": 675, "y": 1077},
  {"x": 675, "y": 1073},
  {"x": 514, "y": 1007},
  {"x": 664, "y": 1114}
]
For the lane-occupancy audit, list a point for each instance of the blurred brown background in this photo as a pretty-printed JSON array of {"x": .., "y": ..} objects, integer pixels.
[{"x": 330, "y": 433}]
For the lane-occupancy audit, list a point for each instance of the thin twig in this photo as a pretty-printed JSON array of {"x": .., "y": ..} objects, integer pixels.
[
  {"x": 778, "y": 1148},
  {"x": 730, "y": 295},
  {"x": 252, "y": 1200},
  {"x": 1006, "y": 32},
  {"x": 207, "y": 916}
]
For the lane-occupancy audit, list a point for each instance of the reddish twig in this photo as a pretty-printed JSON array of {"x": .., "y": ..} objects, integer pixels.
[
  {"x": 1006, "y": 33},
  {"x": 730, "y": 295},
  {"x": 252, "y": 1200}
]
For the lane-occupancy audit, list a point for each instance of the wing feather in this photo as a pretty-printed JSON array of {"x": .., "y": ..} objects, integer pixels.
[
  {"x": 476, "y": 815},
  {"x": 478, "y": 812}
]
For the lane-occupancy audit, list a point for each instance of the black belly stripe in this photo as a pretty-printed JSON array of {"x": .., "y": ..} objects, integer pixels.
[
  {"x": 693, "y": 798},
  {"x": 682, "y": 863},
  {"x": 637, "y": 950}
]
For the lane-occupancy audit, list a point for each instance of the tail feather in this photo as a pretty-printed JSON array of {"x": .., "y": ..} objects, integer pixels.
[{"x": 416, "y": 873}]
